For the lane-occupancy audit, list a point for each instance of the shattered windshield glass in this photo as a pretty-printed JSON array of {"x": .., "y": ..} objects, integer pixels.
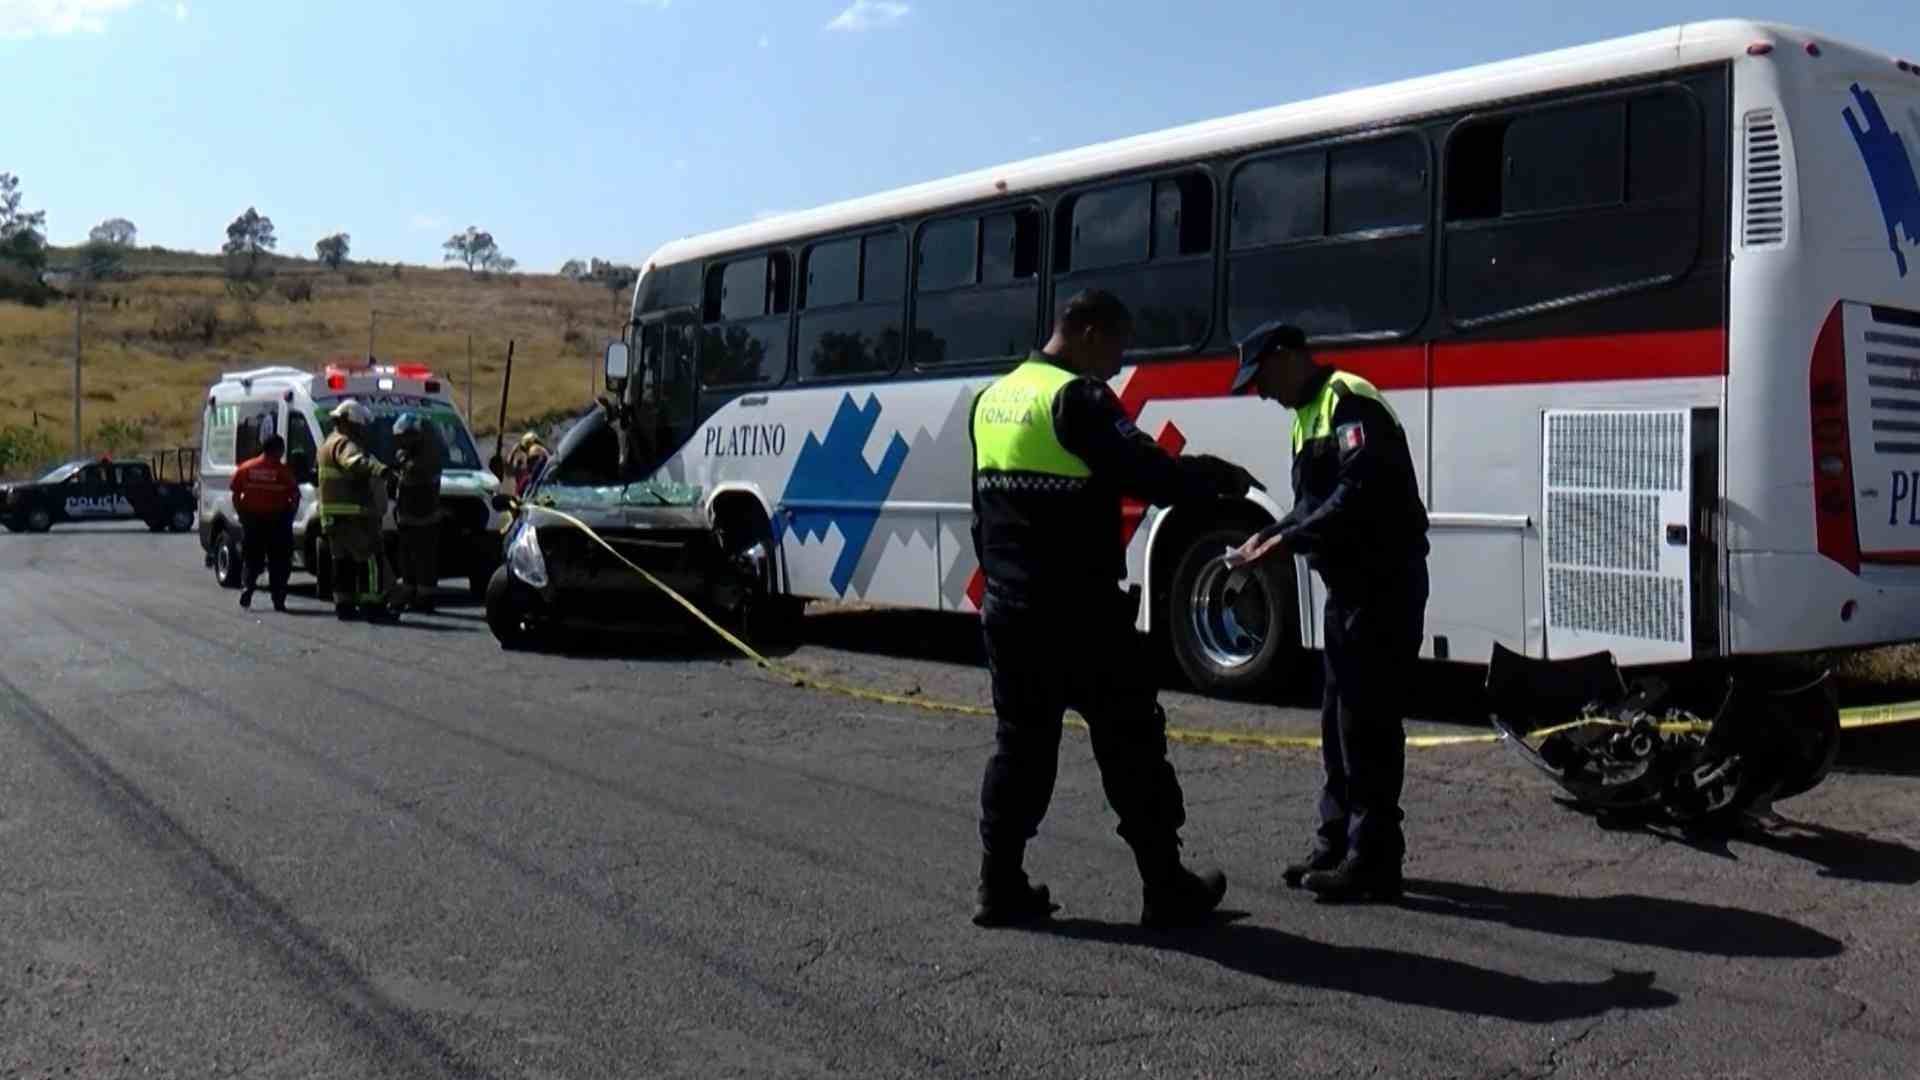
[{"x": 586, "y": 473}]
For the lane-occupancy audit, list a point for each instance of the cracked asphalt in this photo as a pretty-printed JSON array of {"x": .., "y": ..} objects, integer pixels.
[{"x": 245, "y": 844}]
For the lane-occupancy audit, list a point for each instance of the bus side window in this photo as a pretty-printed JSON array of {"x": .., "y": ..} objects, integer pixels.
[
  {"x": 1332, "y": 240},
  {"x": 1617, "y": 181},
  {"x": 1149, "y": 242},
  {"x": 976, "y": 289},
  {"x": 744, "y": 321},
  {"x": 850, "y": 307}
]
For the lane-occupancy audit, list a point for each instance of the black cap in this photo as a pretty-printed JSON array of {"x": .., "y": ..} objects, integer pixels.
[{"x": 1269, "y": 335}]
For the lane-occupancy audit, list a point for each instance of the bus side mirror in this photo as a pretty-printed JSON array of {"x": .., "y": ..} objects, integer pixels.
[{"x": 617, "y": 362}]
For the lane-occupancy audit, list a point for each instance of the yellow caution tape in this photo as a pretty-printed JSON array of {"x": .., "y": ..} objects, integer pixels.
[{"x": 1866, "y": 716}]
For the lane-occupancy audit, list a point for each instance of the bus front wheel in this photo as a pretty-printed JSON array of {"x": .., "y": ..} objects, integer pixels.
[{"x": 1234, "y": 632}]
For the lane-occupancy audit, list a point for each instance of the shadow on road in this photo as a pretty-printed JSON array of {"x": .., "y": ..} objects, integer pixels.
[
  {"x": 1445, "y": 692},
  {"x": 1679, "y": 925},
  {"x": 1388, "y": 974},
  {"x": 941, "y": 637},
  {"x": 1883, "y": 751},
  {"x": 1842, "y": 855}
]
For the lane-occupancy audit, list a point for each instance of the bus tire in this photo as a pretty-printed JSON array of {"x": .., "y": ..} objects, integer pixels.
[
  {"x": 1233, "y": 633},
  {"x": 228, "y": 562}
]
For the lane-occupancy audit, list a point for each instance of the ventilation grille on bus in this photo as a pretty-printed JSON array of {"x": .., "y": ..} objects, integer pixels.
[
  {"x": 1893, "y": 377},
  {"x": 1607, "y": 473},
  {"x": 1766, "y": 180}
]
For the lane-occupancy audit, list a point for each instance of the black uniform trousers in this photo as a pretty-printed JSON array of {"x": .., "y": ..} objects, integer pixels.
[
  {"x": 1087, "y": 657},
  {"x": 420, "y": 559},
  {"x": 1373, "y": 631},
  {"x": 266, "y": 542}
]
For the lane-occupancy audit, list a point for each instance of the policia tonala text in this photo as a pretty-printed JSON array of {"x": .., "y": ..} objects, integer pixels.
[{"x": 1053, "y": 455}]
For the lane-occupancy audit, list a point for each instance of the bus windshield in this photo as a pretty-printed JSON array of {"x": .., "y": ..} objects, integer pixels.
[{"x": 455, "y": 443}]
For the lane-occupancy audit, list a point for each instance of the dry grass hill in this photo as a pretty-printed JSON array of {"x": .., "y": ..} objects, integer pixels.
[{"x": 153, "y": 339}]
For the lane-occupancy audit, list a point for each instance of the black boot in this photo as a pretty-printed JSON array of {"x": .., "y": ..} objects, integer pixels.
[
  {"x": 345, "y": 612},
  {"x": 1357, "y": 879},
  {"x": 1006, "y": 898},
  {"x": 1173, "y": 895},
  {"x": 1318, "y": 857},
  {"x": 246, "y": 597}
]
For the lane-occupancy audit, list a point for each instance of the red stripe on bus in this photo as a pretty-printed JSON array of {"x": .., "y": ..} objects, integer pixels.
[{"x": 1678, "y": 354}]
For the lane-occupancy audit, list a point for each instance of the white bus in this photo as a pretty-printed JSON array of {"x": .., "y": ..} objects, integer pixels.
[{"x": 1649, "y": 310}]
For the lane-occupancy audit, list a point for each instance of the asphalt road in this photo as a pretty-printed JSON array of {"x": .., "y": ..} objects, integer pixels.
[{"x": 239, "y": 844}]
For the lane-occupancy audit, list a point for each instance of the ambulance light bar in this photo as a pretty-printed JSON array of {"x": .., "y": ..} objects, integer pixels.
[{"x": 337, "y": 376}]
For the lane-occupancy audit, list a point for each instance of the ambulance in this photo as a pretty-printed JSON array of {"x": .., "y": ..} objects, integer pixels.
[{"x": 244, "y": 407}]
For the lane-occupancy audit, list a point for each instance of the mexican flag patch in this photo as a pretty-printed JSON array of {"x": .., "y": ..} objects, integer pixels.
[{"x": 1350, "y": 437}]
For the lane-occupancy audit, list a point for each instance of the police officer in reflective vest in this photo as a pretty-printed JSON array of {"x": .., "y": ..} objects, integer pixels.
[
  {"x": 1053, "y": 455},
  {"x": 351, "y": 509},
  {"x": 1358, "y": 519}
]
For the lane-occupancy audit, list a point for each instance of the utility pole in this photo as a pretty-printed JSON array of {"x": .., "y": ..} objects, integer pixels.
[
  {"x": 370, "y": 315},
  {"x": 79, "y": 304},
  {"x": 469, "y": 378}
]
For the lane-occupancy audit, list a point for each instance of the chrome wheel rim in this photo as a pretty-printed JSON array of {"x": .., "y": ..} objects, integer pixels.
[
  {"x": 223, "y": 559},
  {"x": 1230, "y": 611}
]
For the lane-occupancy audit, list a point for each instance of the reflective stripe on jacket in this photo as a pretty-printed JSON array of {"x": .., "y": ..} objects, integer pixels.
[{"x": 347, "y": 475}]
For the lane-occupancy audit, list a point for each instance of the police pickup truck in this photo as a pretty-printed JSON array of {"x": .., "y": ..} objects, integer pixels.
[{"x": 102, "y": 490}]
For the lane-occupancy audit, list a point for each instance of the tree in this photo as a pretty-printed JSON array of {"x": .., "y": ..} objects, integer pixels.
[
  {"x": 574, "y": 269},
  {"x": 100, "y": 260},
  {"x": 116, "y": 231},
  {"x": 501, "y": 263},
  {"x": 474, "y": 248},
  {"x": 614, "y": 277},
  {"x": 332, "y": 250},
  {"x": 248, "y": 239},
  {"x": 21, "y": 240}
]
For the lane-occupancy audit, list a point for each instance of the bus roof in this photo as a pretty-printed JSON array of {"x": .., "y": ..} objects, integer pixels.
[{"x": 1648, "y": 53}]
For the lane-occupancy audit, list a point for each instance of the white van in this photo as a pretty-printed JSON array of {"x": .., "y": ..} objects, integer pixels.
[{"x": 244, "y": 407}]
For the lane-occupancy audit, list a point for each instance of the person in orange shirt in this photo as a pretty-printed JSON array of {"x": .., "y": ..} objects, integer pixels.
[{"x": 266, "y": 496}]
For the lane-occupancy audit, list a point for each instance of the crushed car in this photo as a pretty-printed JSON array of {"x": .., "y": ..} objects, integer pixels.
[{"x": 1636, "y": 753}]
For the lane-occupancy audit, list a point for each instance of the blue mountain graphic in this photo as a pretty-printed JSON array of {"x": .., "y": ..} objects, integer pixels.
[
  {"x": 836, "y": 470},
  {"x": 1892, "y": 170}
]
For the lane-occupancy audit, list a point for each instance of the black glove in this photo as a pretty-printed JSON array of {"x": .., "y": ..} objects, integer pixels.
[
  {"x": 393, "y": 485},
  {"x": 1232, "y": 481}
]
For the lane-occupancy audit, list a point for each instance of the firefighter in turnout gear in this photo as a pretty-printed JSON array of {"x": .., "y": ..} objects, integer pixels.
[
  {"x": 1054, "y": 453},
  {"x": 416, "y": 510},
  {"x": 1358, "y": 519},
  {"x": 352, "y": 506}
]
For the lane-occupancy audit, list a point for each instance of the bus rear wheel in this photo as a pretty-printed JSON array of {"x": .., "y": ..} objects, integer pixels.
[{"x": 1234, "y": 632}]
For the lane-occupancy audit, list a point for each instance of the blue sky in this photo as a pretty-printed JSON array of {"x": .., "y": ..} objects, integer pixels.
[{"x": 605, "y": 128}]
